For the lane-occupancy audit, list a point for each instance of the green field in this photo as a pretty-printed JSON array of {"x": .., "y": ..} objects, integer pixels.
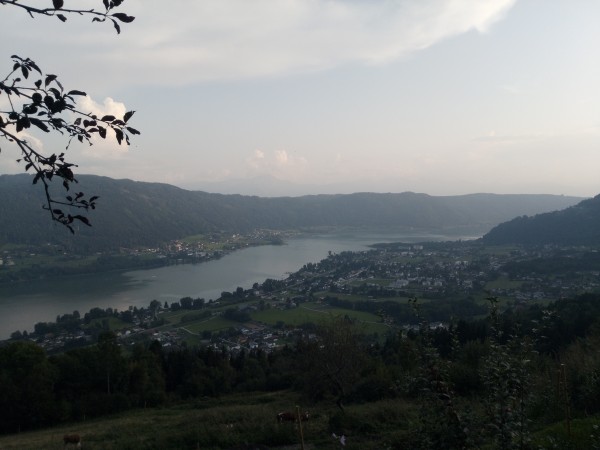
[
  {"x": 315, "y": 313},
  {"x": 215, "y": 323}
]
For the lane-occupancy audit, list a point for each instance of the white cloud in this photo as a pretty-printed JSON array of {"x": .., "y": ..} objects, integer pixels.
[
  {"x": 256, "y": 159},
  {"x": 279, "y": 164},
  {"x": 108, "y": 107},
  {"x": 216, "y": 39},
  {"x": 180, "y": 42},
  {"x": 107, "y": 148},
  {"x": 282, "y": 157}
]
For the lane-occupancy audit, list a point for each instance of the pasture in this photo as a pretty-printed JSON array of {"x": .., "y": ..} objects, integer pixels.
[
  {"x": 308, "y": 312},
  {"x": 229, "y": 422},
  {"x": 251, "y": 419}
]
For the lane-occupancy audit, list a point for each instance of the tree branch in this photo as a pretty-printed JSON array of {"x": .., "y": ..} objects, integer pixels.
[{"x": 45, "y": 105}]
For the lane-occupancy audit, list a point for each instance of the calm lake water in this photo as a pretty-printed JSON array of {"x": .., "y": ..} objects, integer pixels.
[{"x": 26, "y": 304}]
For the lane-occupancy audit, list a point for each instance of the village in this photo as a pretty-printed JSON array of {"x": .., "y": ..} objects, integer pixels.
[{"x": 370, "y": 286}]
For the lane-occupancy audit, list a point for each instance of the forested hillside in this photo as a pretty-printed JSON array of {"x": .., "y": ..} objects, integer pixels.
[
  {"x": 134, "y": 213},
  {"x": 577, "y": 225}
]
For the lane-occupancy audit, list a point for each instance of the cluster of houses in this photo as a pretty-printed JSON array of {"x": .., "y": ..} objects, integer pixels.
[{"x": 421, "y": 270}]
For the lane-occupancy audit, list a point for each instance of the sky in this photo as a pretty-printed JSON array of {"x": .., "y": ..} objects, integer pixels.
[{"x": 444, "y": 97}]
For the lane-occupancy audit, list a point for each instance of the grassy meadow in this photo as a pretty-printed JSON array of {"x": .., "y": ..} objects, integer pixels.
[{"x": 236, "y": 421}]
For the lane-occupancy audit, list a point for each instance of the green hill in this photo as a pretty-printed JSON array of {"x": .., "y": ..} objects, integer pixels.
[
  {"x": 576, "y": 225},
  {"x": 133, "y": 213}
]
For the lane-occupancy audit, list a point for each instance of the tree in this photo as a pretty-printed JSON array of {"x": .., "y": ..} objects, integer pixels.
[
  {"x": 26, "y": 387},
  {"x": 38, "y": 100},
  {"x": 335, "y": 361},
  {"x": 507, "y": 377},
  {"x": 111, "y": 358}
]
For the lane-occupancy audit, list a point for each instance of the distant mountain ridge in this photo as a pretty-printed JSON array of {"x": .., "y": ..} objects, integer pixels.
[
  {"x": 134, "y": 213},
  {"x": 576, "y": 225}
]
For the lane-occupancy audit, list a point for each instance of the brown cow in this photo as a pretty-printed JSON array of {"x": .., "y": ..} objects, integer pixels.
[
  {"x": 74, "y": 439},
  {"x": 288, "y": 416}
]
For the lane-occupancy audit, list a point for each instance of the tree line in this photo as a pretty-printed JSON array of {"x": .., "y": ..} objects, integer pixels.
[{"x": 480, "y": 381}]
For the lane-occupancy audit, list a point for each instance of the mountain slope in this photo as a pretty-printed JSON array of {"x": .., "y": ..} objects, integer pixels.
[
  {"x": 134, "y": 213},
  {"x": 576, "y": 225}
]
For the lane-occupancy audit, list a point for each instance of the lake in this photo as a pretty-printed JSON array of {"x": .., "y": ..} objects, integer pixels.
[{"x": 25, "y": 304}]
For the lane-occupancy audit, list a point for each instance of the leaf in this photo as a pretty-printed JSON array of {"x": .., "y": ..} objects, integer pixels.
[
  {"x": 105, "y": 4},
  {"x": 56, "y": 92},
  {"x": 128, "y": 115},
  {"x": 108, "y": 118},
  {"x": 35, "y": 67},
  {"x": 102, "y": 132},
  {"x": 75, "y": 92},
  {"x": 124, "y": 17},
  {"x": 119, "y": 135},
  {"x": 133, "y": 130},
  {"x": 22, "y": 123},
  {"x": 38, "y": 123},
  {"x": 117, "y": 27},
  {"x": 58, "y": 3},
  {"x": 25, "y": 71},
  {"x": 49, "y": 79},
  {"x": 83, "y": 219},
  {"x": 61, "y": 17}
]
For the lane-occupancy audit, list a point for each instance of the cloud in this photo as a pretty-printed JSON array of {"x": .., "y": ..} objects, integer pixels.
[
  {"x": 282, "y": 158},
  {"x": 108, "y": 107},
  {"x": 107, "y": 148},
  {"x": 225, "y": 39},
  {"x": 279, "y": 164},
  {"x": 98, "y": 157},
  {"x": 256, "y": 159},
  {"x": 180, "y": 42}
]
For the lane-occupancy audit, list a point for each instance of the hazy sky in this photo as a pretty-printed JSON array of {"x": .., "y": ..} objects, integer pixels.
[{"x": 436, "y": 96}]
